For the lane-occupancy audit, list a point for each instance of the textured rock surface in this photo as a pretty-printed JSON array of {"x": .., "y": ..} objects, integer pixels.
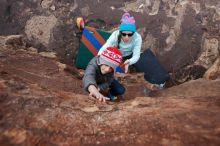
[
  {"x": 40, "y": 104},
  {"x": 214, "y": 71},
  {"x": 39, "y": 28},
  {"x": 178, "y": 31},
  {"x": 43, "y": 104}
]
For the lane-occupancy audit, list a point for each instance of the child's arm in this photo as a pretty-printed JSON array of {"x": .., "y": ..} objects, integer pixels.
[
  {"x": 94, "y": 92},
  {"x": 89, "y": 76}
]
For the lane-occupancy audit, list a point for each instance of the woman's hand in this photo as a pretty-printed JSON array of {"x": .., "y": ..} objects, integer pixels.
[{"x": 126, "y": 63}]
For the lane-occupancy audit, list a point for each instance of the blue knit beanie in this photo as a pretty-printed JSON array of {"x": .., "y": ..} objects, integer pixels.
[{"x": 127, "y": 23}]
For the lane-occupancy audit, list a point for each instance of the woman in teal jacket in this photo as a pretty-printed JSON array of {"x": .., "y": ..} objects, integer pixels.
[{"x": 127, "y": 39}]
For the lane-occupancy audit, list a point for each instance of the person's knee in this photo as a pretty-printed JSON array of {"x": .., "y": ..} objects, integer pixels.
[{"x": 121, "y": 91}]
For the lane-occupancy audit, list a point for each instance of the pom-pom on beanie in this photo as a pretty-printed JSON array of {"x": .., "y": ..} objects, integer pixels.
[{"x": 127, "y": 23}]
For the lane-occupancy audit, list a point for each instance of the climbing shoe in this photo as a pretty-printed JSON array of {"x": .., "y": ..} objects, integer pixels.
[{"x": 112, "y": 97}]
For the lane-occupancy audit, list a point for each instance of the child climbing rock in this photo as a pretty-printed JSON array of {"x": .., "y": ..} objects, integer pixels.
[{"x": 99, "y": 75}]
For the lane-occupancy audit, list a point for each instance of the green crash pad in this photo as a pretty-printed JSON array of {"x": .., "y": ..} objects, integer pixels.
[{"x": 91, "y": 41}]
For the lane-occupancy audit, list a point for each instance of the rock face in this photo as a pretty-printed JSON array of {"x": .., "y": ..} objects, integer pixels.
[
  {"x": 39, "y": 29},
  {"x": 181, "y": 32},
  {"x": 42, "y": 104},
  {"x": 214, "y": 71}
]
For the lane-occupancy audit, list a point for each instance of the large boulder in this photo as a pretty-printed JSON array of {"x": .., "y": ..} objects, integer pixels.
[
  {"x": 178, "y": 31},
  {"x": 42, "y": 104}
]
